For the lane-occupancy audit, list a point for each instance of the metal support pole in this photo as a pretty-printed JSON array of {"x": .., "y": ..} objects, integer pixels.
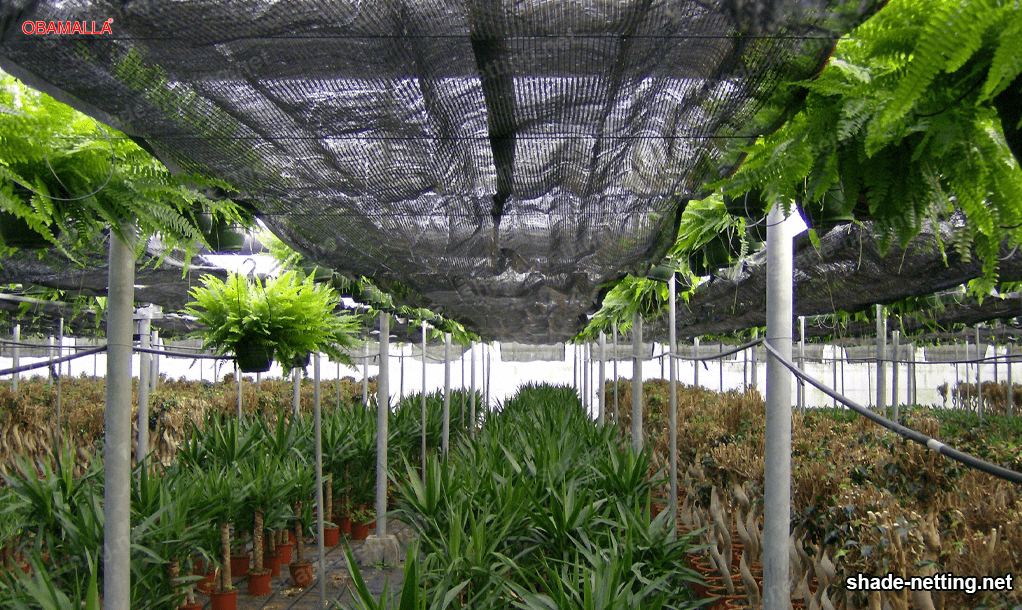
[
  {"x": 636, "y": 382},
  {"x": 695, "y": 362},
  {"x": 423, "y": 400},
  {"x": 881, "y": 399},
  {"x": 895, "y": 394},
  {"x": 777, "y": 458},
  {"x": 154, "y": 362},
  {"x": 979, "y": 381},
  {"x": 489, "y": 364},
  {"x": 365, "y": 374},
  {"x": 143, "y": 390},
  {"x": 117, "y": 444},
  {"x": 585, "y": 377},
  {"x": 1011, "y": 386},
  {"x": 241, "y": 388},
  {"x": 320, "y": 517},
  {"x": 616, "y": 405},
  {"x": 57, "y": 414},
  {"x": 720, "y": 366},
  {"x": 602, "y": 417},
  {"x": 753, "y": 363},
  {"x": 912, "y": 397},
  {"x": 401, "y": 363},
  {"x": 49, "y": 355},
  {"x": 574, "y": 367},
  {"x": 446, "y": 441},
  {"x": 337, "y": 381},
  {"x": 296, "y": 389},
  {"x": 463, "y": 391},
  {"x": 673, "y": 366},
  {"x": 472, "y": 398},
  {"x": 802, "y": 388},
  {"x": 834, "y": 371},
  {"x": 382, "y": 415},
  {"x": 16, "y": 357}
]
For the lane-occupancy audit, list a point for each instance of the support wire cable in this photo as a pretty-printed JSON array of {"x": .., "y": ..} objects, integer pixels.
[{"x": 914, "y": 435}]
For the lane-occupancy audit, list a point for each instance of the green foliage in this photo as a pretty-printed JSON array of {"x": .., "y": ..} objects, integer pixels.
[
  {"x": 901, "y": 126},
  {"x": 69, "y": 178},
  {"x": 295, "y": 316},
  {"x": 537, "y": 510}
]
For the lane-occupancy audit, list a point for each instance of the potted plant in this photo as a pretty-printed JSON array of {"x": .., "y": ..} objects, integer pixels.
[
  {"x": 360, "y": 520},
  {"x": 301, "y": 570},
  {"x": 225, "y": 494},
  {"x": 285, "y": 318},
  {"x": 299, "y": 485},
  {"x": 266, "y": 493}
]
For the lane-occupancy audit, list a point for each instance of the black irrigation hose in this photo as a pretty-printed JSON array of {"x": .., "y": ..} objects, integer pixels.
[
  {"x": 171, "y": 354},
  {"x": 39, "y": 365},
  {"x": 7, "y": 342},
  {"x": 914, "y": 435}
]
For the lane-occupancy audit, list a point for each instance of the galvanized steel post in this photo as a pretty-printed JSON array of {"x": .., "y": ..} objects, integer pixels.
[
  {"x": 117, "y": 436},
  {"x": 636, "y": 381},
  {"x": 777, "y": 459},
  {"x": 447, "y": 394},
  {"x": 602, "y": 418},
  {"x": 673, "y": 366},
  {"x": 382, "y": 414},
  {"x": 317, "y": 424}
]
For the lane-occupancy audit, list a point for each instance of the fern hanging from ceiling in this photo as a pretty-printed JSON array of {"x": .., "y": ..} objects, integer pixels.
[{"x": 907, "y": 123}]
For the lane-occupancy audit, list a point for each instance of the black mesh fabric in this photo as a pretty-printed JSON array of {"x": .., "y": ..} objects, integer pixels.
[{"x": 500, "y": 160}]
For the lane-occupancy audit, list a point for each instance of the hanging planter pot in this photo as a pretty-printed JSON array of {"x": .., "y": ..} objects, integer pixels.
[
  {"x": 17, "y": 234},
  {"x": 822, "y": 216},
  {"x": 254, "y": 356},
  {"x": 317, "y": 273},
  {"x": 221, "y": 236}
]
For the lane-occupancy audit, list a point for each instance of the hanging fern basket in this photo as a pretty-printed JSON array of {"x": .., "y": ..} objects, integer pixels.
[
  {"x": 17, "y": 234},
  {"x": 254, "y": 356},
  {"x": 220, "y": 235},
  {"x": 318, "y": 274}
]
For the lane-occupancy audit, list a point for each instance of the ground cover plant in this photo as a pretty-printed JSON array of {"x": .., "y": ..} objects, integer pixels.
[
  {"x": 863, "y": 499},
  {"x": 543, "y": 509}
]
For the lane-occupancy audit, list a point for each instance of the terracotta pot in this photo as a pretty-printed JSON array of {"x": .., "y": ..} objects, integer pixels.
[
  {"x": 206, "y": 584},
  {"x": 272, "y": 563},
  {"x": 225, "y": 600},
  {"x": 359, "y": 531},
  {"x": 301, "y": 574},
  {"x": 239, "y": 566},
  {"x": 331, "y": 535},
  {"x": 291, "y": 537},
  {"x": 284, "y": 550},
  {"x": 345, "y": 524},
  {"x": 259, "y": 582},
  {"x": 190, "y": 607}
]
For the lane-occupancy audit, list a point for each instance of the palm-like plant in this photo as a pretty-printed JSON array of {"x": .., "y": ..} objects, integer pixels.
[{"x": 225, "y": 495}]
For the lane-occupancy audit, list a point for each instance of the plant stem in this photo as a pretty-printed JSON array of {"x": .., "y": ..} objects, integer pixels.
[
  {"x": 257, "y": 540},
  {"x": 299, "y": 554},
  {"x": 225, "y": 549}
]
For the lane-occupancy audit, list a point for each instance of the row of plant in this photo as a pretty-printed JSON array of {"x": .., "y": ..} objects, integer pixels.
[
  {"x": 863, "y": 499},
  {"x": 543, "y": 509},
  {"x": 233, "y": 489}
]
